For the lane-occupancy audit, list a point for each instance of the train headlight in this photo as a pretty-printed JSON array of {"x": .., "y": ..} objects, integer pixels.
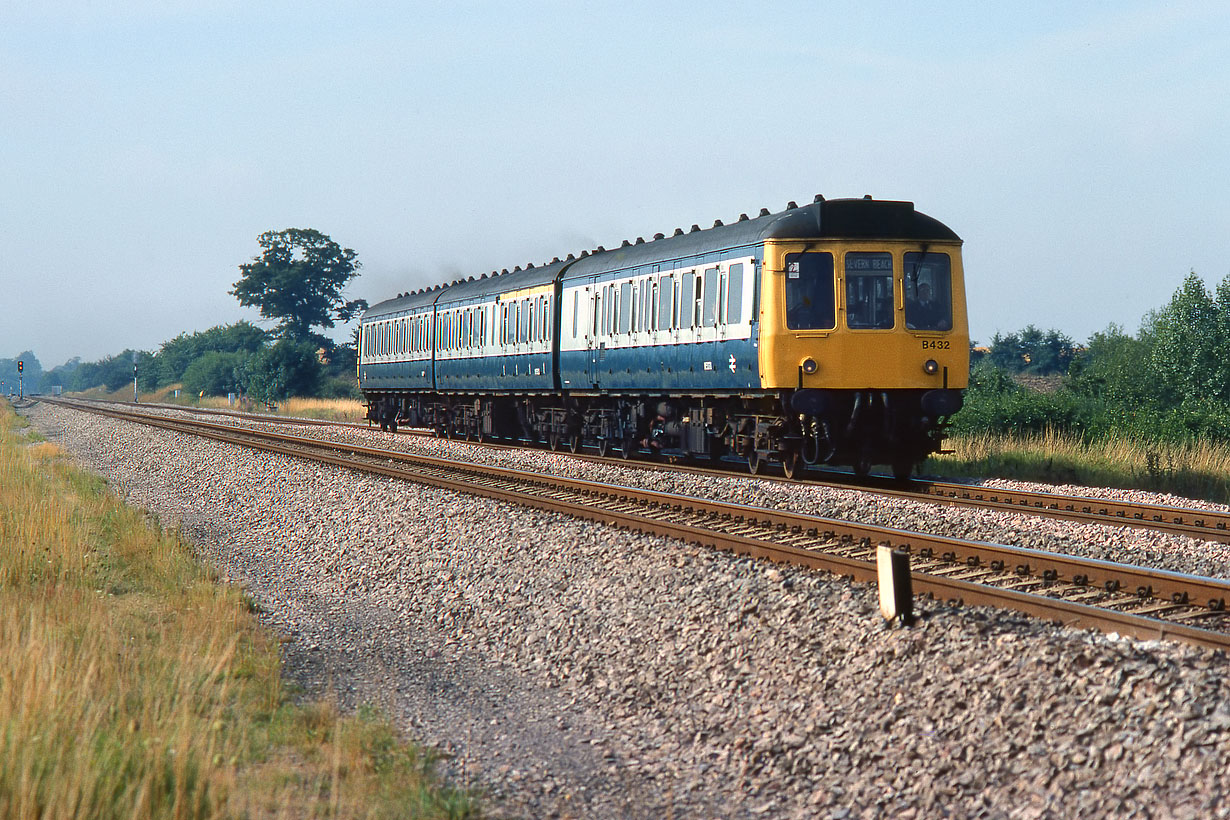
[
  {"x": 810, "y": 366},
  {"x": 931, "y": 367}
]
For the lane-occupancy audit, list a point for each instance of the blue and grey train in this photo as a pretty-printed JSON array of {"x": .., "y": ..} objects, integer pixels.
[{"x": 833, "y": 332}]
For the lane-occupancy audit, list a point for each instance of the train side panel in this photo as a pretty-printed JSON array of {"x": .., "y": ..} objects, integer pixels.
[{"x": 683, "y": 326}]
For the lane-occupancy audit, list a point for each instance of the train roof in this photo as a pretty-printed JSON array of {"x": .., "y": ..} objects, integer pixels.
[
  {"x": 823, "y": 219},
  {"x": 864, "y": 218},
  {"x": 469, "y": 289}
]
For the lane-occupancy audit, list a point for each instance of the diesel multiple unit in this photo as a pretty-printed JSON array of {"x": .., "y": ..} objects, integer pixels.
[{"x": 830, "y": 333}]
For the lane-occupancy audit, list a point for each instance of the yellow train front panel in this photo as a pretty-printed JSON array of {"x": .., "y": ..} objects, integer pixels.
[{"x": 863, "y": 315}]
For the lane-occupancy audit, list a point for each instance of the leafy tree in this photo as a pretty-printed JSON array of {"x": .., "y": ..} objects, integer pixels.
[
  {"x": 1118, "y": 368},
  {"x": 1006, "y": 353},
  {"x": 298, "y": 280},
  {"x": 214, "y": 373},
  {"x": 1192, "y": 341},
  {"x": 1032, "y": 351},
  {"x": 179, "y": 353},
  {"x": 288, "y": 368}
]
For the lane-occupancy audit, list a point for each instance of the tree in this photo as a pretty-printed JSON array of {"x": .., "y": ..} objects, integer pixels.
[
  {"x": 1032, "y": 351},
  {"x": 298, "y": 280},
  {"x": 1192, "y": 341},
  {"x": 286, "y": 369},
  {"x": 213, "y": 373},
  {"x": 179, "y": 353},
  {"x": 1117, "y": 368}
]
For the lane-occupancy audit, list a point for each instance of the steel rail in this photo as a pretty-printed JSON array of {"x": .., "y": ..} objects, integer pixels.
[
  {"x": 1209, "y": 525},
  {"x": 836, "y": 546}
]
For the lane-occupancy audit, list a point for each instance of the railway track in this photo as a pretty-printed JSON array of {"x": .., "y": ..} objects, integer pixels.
[
  {"x": 1208, "y": 525},
  {"x": 1142, "y": 602}
]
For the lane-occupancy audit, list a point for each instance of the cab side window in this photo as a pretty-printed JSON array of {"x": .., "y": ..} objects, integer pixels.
[
  {"x": 810, "y": 292},
  {"x": 928, "y": 291}
]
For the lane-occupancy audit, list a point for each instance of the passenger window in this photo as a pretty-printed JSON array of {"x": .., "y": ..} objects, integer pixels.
[
  {"x": 709, "y": 315},
  {"x": 810, "y": 293},
  {"x": 625, "y": 307},
  {"x": 869, "y": 291},
  {"x": 666, "y": 302},
  {"x": 734, "y": 298},
  {"x": 687, "y": 299}
]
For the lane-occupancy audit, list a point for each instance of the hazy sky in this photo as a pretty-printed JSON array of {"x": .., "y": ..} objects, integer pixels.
[{"x": 1081, "y": 149}]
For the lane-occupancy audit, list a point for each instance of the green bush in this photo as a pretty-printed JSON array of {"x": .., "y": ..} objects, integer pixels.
[
  {"x": 214, "y": 373},
  {"x": 283, "y": 370}
]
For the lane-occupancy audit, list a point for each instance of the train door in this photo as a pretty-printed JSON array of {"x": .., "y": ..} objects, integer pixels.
[{"x": 593, "y": 332}]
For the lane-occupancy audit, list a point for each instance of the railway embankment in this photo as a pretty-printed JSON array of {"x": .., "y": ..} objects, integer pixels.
[{"x": 579, "y": 670}]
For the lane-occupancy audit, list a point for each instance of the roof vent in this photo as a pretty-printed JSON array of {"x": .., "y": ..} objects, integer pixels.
[
  {"x": 743, "y": 217},
  {"x": 819, "y": 198},
  {"x": 658, "y": 236},
  {"x": 640, "y": 240},
  {"x": 484, "y": 276},
  {"x": 517, "y": 269},
  {"x": 695, "y": 228},
  {"x": 791, "y": 205},
  {"x": 555, "y": 261},
  {"x": 624, "y": 244},
  {"x": 504, "y": 271},
  {"x": 599, "y": 249},
  {"x": 678, "y": 231},
  {"x": 764, "y": 211},
  {"x": 717, "y": 223},
  {"x": 529, "y": 265},
  {"x": 470, "y": 279},
  {"x": 866, "y": 196},
  {"x": 584, "y": 254},
  {"x": 570, "y": 258}
]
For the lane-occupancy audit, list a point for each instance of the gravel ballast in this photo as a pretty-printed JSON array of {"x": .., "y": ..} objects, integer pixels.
[{"x": 576, "y": 670}]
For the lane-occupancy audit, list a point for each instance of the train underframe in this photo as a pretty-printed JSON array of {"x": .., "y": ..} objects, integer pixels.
[{"x": 797, "y": 429}]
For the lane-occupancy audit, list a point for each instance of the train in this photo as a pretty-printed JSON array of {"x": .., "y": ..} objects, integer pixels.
[{"x": 832, "y": 333}]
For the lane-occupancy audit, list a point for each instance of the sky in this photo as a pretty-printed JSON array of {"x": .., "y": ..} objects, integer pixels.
[{"x": 1080, "y": 149}]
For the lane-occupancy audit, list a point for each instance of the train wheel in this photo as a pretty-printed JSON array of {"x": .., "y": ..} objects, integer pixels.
[
  {"x": 384, "y": 427},
  {"x": 392, "y": 425},
  {"x": 553, "y": 441},
  {"x": 792, "y": 463},
  {"x": 574, "y": 443},
  {"x": 604, "y": 447},
  {"x": 628, "y": 449},
  {"x": 754, "y": 461}
]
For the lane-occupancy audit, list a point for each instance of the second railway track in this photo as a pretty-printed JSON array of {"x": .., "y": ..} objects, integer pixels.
[
  {"x": 1204, "y": 524},
  {"x": 1145, "y": 603}
]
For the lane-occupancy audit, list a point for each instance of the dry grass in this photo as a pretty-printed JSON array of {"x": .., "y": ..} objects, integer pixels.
[
  {"x": 1193, "y": 470},
  {"x": 332, "y": 409},
  {"x": 133, "y": 685},
  {"x": 351, "y": 410}
]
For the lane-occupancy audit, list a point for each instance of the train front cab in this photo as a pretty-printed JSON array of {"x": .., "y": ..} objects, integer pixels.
[{"x": 867, "y": 342}]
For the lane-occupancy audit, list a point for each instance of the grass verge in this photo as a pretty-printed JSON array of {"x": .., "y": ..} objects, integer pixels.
[
  {"x": 1192, "y": 470},
  {"x": 133, "y": 684},
  {"x": 351, "y": 410}
]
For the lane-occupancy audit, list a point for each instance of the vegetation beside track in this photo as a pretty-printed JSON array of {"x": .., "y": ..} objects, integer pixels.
[
  {"x": 1194, "y": 469},
  {"x": 134, "y": 684}
]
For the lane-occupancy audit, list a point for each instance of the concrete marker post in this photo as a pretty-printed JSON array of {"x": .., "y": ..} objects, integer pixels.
[{"x": 896, "y": 586}]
